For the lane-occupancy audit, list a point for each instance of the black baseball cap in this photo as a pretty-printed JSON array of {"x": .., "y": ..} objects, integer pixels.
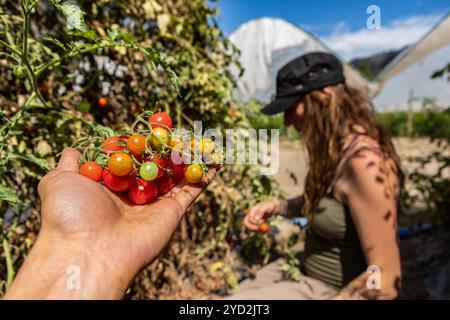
[{"x": 309, "y": 72}]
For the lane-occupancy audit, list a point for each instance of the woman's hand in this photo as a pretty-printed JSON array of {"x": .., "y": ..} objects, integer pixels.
[
  {"x": 261, "y": 211},
  {"x": 93, "y": 242}
]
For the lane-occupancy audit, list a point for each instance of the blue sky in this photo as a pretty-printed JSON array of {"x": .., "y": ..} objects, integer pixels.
[{"x": 342, "y": 23}]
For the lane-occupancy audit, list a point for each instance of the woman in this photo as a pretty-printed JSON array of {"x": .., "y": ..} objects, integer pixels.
[{"x": 351, "y": 188}]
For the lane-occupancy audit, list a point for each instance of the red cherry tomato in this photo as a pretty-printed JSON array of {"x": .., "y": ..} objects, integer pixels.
[
  {"x": 165, "y": 184},
  {"x": 177, "y": 170},
  {"x": 117, "y": 183},
  {"x": 136, "y": 144},
  {"x": 113, "y": 143},
  {"x": 102, "y": 102},
  {"x": 143, "y": 192},
  {"x": 92, "y": 170},
  {"x": 160, "y": 120},
  {"x": 120, "y": 164}
]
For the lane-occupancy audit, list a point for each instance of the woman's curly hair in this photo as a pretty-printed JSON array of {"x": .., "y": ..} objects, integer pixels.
[{"x": 330, "y": 118}]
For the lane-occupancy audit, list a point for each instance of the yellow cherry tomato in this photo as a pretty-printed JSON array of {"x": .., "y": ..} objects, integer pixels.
[
  {"x": 204, "y": 145},
  {"x": 194, "y": 173},
  {"x": 158, "y": 138},
  {"x": 176, "y": 141}
]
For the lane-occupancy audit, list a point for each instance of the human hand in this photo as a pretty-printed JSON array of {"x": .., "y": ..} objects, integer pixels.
[
  {"x": 86, "y": 225},
  {"x": 261, "y": 211}
]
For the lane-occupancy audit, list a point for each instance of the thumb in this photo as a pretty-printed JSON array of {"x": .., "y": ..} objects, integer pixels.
[{"x": 69, "y": 160}]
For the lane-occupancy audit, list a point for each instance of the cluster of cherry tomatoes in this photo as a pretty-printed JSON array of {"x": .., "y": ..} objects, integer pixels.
[{"x": 149, "y": 163}]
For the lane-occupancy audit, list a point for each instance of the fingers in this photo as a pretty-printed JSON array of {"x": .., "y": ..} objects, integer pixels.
[
  {"x": 189, "y": 192},
  {"x": 69, "y": 160},
  {"x": 250, "y": 225},
  {"x": 256, "y": 214}
]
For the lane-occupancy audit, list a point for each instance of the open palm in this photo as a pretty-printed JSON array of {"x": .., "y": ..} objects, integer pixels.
[{"x": 106, "y": 225}]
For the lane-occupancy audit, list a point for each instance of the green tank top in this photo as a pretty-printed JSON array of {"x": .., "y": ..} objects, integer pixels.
[{"x": 333, "y": 252}]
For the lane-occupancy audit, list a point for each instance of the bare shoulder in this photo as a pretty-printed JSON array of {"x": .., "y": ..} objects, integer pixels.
[{"x": 366, "y": 168}]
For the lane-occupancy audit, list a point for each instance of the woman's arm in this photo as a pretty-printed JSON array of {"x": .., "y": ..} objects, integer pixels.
[
  {"x": 370, "y": 187},
  {"x": 259, "y": 212}
]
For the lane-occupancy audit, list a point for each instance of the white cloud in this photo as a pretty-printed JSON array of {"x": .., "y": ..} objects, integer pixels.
[{"x": 365, "y": 42}]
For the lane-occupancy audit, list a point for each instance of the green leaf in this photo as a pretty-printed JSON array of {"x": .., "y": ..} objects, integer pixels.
[
  {"x": 54, "y": 41},
  {"x": 42, "y": 163},
  {"x": 285, "y": 267},
  {"x": 88, "y": 34},
  {"x": 232, "y": 281},
  {"x": 15, "y": 132},
  {"x": 8, "y": 194},
  {"x": 73, "y": 14},
  {"x": 117, "y": 34}
]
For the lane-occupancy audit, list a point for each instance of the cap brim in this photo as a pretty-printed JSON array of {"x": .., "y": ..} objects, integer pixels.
[{"x": 280, "y": 105}]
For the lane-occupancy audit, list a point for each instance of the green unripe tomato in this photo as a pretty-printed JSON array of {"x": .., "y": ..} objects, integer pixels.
[
  {"x": 20, "y": 72},
  {"x": 148, "y": 171}
]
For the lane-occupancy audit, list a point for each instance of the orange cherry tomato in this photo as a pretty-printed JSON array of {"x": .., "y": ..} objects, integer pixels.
[
  {"x": 264, "y": 227},
  {"x": 136, "y": 144},
  {"x": 102, "y": 102},
  {"x": 176, "y": 141},
  {"x": 92, "y": 170},
  {"x": 120, "y": 164}
]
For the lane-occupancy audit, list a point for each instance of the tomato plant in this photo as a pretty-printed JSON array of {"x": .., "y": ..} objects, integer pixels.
[{"x": 41, "y": 109}]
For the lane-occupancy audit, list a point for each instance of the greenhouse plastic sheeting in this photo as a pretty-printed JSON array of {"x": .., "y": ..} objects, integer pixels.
[
  {"x": 409, "y": 74},
  {"x": 266, "y": 45}
]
